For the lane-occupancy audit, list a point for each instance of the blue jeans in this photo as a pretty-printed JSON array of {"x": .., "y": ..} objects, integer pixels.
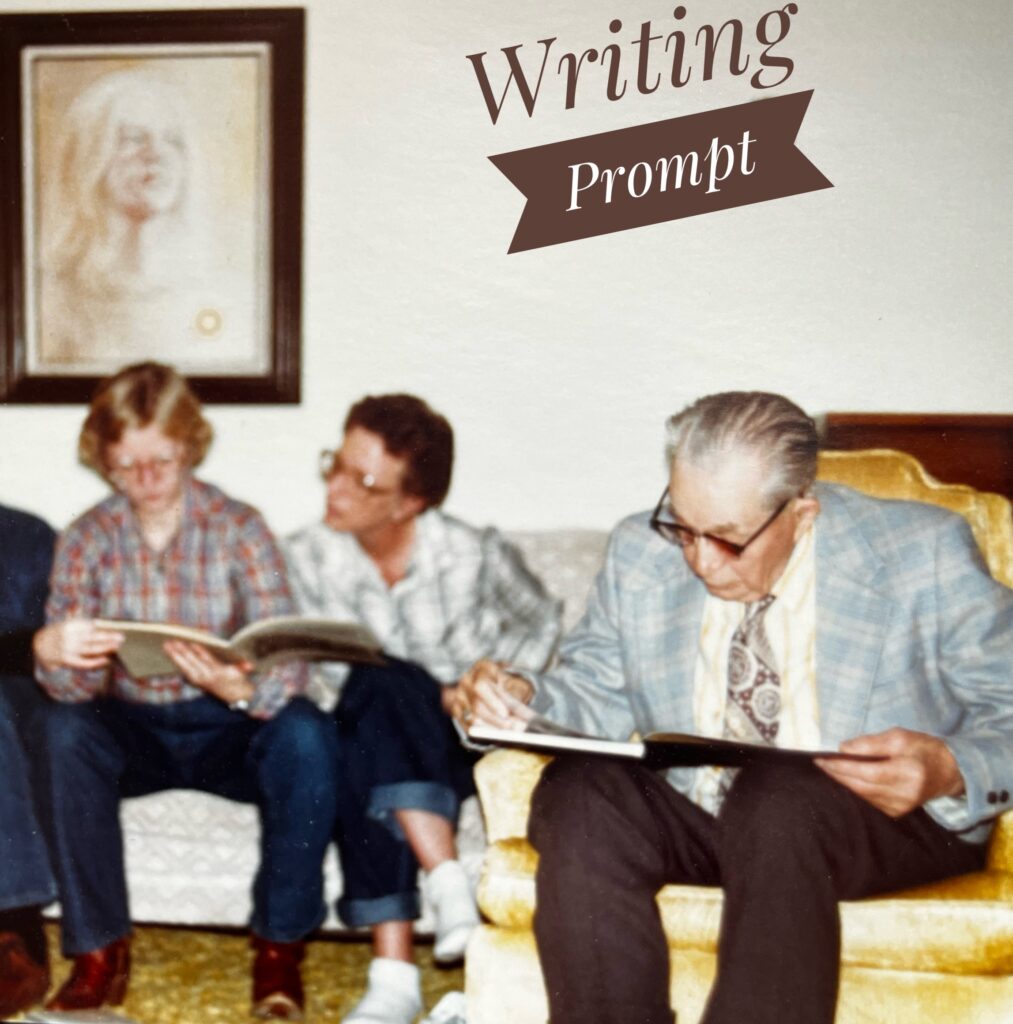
[
  {"x": 99, "y": 751},
  {"x": 25, "y": 878},
  {"x": 398, "y": 750}
]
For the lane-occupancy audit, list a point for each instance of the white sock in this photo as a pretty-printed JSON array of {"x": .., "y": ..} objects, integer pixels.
[
  {"x": 393, "y": 994},
  {"x": 454, "y": 910}
]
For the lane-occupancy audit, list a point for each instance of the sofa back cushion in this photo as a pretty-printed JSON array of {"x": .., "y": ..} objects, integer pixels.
[{"x": 566, "y": 561}]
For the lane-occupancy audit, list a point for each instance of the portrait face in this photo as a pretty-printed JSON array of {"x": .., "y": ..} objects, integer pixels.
[
  {"x": 364, "y": 487},
  {"x": 146, "y": 172},
  {"x": 724, "y": 497},
  {"x": 148, "y": 467}
]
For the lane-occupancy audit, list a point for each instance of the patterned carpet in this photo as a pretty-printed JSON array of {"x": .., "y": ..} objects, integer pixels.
[{"x": 185, "y": 976}]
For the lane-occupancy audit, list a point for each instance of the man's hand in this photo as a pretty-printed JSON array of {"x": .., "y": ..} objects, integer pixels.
[
  {"x": 918, "y": 768},
  {"x": 488, "y": 693},
  {"x": 75, "y": 643},
  {"x": 228, "y": 683}
]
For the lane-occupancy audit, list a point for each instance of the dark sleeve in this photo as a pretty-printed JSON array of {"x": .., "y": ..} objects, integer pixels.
[{"x": 26, "y": 559}]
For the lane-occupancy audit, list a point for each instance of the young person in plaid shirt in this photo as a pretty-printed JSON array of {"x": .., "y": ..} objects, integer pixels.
[
  {"x": 167, "y": 547},
  {"x": 437, "y": 593}
]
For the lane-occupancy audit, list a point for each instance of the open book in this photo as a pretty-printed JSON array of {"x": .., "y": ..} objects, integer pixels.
[
  {"x": 657, "y": 749},
  {"x": 264, "y": 643}
]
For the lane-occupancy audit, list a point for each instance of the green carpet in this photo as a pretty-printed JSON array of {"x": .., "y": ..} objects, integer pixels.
[{"x": 186, "y": 976}]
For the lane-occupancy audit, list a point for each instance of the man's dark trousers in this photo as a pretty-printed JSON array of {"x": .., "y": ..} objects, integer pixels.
[{"x": 788, "y": 844}]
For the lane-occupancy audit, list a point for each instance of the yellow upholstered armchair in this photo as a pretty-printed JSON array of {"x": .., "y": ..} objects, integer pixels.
[{"x": 939, "y": 953}]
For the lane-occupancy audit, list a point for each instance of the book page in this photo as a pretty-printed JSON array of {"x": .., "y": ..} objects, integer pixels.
[
  {"x": 554, "y": 743},
  {"x": 281, "y": 638},
  {"x": 142, "y": 652}
]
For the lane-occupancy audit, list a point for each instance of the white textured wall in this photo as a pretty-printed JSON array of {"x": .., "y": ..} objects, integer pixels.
[{"x": 890, "y": 291}]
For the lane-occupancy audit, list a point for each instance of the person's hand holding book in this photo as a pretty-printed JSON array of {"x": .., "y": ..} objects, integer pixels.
[
  {"x": 228, "y": 682},
  {"x": 80, "y": 644},
  {"x": 489, "y": 694}
]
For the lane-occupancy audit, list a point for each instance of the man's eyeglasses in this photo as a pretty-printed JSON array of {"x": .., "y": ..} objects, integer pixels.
[
  {"x": 331, "y": 465},
  {"x": 683, "y": 536}
]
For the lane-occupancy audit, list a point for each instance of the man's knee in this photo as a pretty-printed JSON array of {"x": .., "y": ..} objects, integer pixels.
[
  {"x": 572, "y": 794},
  {"x": 779, "y": 804}
]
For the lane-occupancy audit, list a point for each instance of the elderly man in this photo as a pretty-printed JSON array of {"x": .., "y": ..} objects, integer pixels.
[{"x": 758, "y": 605}]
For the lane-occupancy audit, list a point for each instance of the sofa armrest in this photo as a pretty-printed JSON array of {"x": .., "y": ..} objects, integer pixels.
[{"x": 505, "y": 780}]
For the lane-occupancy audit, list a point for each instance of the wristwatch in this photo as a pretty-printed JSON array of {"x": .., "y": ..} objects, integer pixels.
[{"x": 240, "y": 705}]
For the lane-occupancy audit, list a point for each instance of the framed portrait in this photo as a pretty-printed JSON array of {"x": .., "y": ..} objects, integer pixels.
[{"x": 151, "y": 185}]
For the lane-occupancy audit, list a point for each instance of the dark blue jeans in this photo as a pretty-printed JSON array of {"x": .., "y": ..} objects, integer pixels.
[
  {"x": 99, "y": 751},
  {"x": 25, "y": 878},
  {"x": 398, "y": 750}
]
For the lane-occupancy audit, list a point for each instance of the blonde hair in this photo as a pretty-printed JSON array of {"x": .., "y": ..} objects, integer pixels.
[
  {"x": 137, "y": 397},
  {"x": 81, "y": 244}
]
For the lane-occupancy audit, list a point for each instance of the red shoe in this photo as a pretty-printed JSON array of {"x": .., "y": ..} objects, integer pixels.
[
  {"x": 23, "y": 981},
  {"x": 277, "y": 983},
  {"x": 99, "y": 978}
]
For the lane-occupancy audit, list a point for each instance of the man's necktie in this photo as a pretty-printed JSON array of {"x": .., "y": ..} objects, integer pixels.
[{"x": 753, "y": 704}]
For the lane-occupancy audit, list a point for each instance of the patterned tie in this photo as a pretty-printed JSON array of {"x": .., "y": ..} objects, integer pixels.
[
  {"x": 754, "y": 687},
  {"x": 753, "y": 703}
]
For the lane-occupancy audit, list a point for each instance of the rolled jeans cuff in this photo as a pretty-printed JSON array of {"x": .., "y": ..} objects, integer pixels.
[
  {"x": 433, "y": 797},
  {"x": 398, "y": 906}
]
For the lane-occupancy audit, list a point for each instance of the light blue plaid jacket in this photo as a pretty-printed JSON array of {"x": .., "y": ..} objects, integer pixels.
[{"x": 911, "y": 631}]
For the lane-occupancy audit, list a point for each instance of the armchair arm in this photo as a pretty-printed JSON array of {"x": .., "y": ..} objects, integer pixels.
[
  {"x": 505, "y": 780},
  {"x": 1000, "y": 848}
]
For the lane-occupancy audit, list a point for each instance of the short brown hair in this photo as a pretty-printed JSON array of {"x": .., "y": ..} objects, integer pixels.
[
  {"x": 412, "y": 431},
  {"x": 770, "y": 425},
  {"x": 136, "y": 397}
]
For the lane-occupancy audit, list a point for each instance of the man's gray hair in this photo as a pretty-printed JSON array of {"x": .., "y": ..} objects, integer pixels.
[{"x": 757, "y": 422}]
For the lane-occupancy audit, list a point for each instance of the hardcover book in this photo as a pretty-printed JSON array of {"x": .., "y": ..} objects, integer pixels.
[{"x": 657, "y": 749}]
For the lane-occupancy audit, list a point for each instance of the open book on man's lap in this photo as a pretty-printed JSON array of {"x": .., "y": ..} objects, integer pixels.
[{"x": 656, "y": 750}]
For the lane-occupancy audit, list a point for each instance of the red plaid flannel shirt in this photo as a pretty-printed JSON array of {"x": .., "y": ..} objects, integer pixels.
[{"x": 221, "y": 571}]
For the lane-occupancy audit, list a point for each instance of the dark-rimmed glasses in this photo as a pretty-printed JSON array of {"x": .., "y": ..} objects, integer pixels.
[
  {"x": 682, "y": 536},
  {"x": 330, "y": 465}
]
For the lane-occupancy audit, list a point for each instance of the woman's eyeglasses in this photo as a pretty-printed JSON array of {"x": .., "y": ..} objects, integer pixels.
[{"x": 331, "y": 465}]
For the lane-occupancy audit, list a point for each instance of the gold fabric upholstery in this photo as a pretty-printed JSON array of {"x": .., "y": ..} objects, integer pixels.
[
  {"x": 943, "y": 952},
  {"x": 888, "y": 474}
]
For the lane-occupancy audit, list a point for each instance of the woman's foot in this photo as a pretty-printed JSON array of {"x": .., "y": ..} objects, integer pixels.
[
  {"x": 393, "y": 994},
  {"x": 453, "y": 902}
]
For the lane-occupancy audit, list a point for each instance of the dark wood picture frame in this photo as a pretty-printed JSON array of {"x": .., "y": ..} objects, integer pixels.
[{"x": 281, "y": 32}]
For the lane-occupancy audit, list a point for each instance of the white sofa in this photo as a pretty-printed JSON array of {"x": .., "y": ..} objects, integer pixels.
[{"x": 191, "y": 856}]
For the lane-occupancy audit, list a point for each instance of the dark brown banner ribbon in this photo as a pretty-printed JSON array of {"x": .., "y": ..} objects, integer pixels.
[{"x": 662, "y": 171}]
